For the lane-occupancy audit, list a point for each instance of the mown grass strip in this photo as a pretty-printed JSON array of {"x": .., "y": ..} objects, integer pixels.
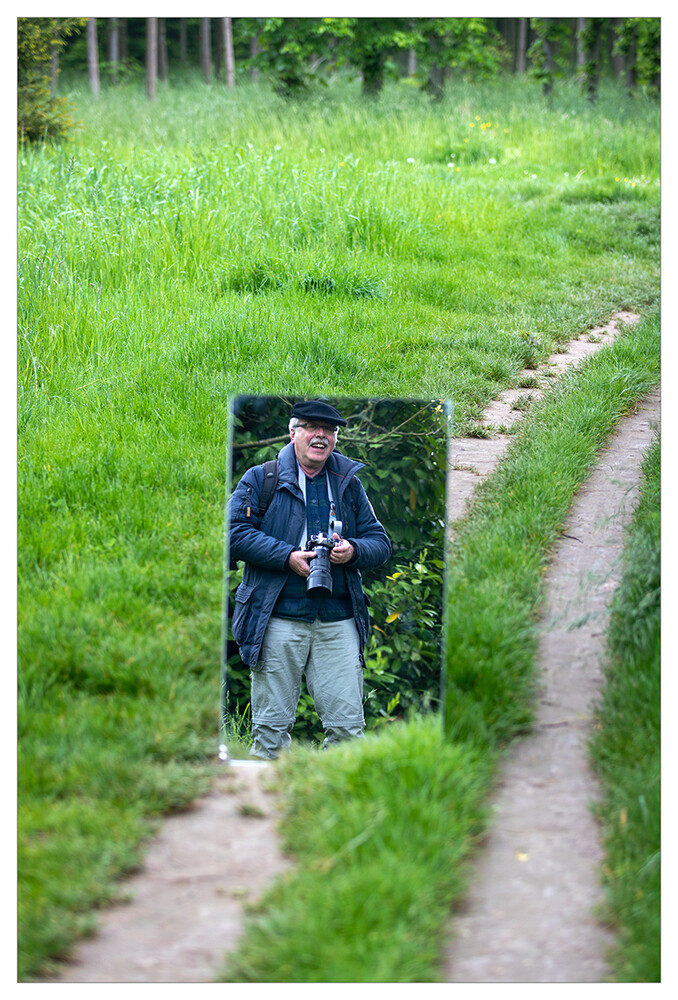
[
  {"x": 383, "y": 831},
  {"x": 626, "y": 745}
]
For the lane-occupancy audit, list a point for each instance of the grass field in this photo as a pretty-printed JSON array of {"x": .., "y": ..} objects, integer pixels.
[{"x": 214, "y": 242}]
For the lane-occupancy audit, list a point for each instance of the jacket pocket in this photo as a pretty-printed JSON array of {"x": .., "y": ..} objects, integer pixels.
[{"x": 242, "y": 599}]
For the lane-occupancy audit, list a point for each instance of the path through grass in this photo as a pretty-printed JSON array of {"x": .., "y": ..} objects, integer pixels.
[{"x": 214, "y": 243}]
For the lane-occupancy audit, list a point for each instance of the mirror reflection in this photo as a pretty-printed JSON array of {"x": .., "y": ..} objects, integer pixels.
[{"x": 334, "y": 555}]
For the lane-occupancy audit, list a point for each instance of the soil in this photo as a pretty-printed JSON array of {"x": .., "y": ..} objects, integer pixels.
[{"x": 529, "y": 915}]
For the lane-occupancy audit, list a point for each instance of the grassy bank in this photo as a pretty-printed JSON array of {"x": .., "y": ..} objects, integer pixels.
[
  {"x": 214, "y": 243},
  {"x": 626, "y": 748}
]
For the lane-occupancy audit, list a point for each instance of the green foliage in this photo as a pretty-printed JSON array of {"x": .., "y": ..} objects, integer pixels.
[
  {"x": 639, "y": 40},
  {"x": 287, "y": 46},
  {"x": 591, "y": 37},
  {"x": 468, "y": 45},
  {"x": 365, "y": 44},
  {"x": 547, "y": 50},
  {"x": 403, "y": 656},
  {"x": 41, "y": 116},
  {"x": 626, "y": 748}
]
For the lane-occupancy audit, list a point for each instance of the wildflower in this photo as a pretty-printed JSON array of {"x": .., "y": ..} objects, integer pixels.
[
  {"x": 410, "y": 159},
  {"x": 492, "y": 160}
]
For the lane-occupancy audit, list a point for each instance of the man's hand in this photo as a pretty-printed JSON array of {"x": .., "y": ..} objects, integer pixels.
[
  {"x": 342, "y": 553},
  {"x": 299, "y": 562}
]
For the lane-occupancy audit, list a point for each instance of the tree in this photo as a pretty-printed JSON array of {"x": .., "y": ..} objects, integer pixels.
[
  {"x": 163, "y": 70},
  {"x": 287, "y": 46},
  {"x": 521, "y": 46},
  {"x": 590, "y": 34},
  {"x": 229, "y": 61},
  {"x": 550, "y": 37},
  {"x": 639, "y": 42},
  {"x": 470, "y": 45},
  {"x": 40, "y": 114},
  {"x": 113, "y": 47},
  {"x": 93, "y": 55},
  {"x": 205, "y": 49},
  {"x": 366, "y": 43},
  {"x": 151, "y": 56}
]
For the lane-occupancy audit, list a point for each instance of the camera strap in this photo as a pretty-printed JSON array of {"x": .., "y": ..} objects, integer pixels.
[{"x": 333, "y": 513}]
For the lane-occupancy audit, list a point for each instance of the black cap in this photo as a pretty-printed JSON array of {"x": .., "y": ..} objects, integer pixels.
[{"x": 317, "y": 410}]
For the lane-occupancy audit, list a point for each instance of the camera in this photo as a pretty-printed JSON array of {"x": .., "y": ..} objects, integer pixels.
[{"x": 320, "y": 577}]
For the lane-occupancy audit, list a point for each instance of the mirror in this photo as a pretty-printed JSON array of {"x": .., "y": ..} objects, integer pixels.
[{"x": 402, "y": 447}]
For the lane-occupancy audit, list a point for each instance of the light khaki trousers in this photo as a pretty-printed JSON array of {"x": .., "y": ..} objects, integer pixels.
[{"x": 328, "y": 654}]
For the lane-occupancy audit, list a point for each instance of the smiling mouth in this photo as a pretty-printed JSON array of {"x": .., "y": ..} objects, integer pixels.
[{"x": 318, "y": 444}]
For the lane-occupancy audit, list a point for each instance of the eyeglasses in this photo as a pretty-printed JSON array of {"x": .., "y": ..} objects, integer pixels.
[{"x": 318, "y": 427}]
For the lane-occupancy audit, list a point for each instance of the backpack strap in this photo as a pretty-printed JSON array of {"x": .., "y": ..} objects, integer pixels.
[{"x": 270, "y": 483}]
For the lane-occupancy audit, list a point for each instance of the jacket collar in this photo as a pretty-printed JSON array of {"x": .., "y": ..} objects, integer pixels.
[{"x": 338, "y": 465}]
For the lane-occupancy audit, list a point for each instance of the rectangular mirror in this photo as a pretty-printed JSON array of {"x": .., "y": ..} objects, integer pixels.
[{"x": 395, "y": 517}]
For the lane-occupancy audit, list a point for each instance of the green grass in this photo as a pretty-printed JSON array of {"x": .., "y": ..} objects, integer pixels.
[
  {"x": 216, "y": 242},
  {"x": 390, "y": 876},
  {"x": 626, "y": 745},
  {"x": 500, "y": 552},
  {"x": 382, "y": 830}
]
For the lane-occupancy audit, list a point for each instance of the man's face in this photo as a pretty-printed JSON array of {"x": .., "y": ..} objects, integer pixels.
[{"x": 314, "y": 442}]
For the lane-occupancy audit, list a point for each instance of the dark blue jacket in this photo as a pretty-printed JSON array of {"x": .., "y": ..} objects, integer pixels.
[{"x": 265, "y": 545}]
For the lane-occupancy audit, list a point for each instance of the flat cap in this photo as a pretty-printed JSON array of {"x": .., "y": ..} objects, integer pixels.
[{"x": 317, "y": 410}]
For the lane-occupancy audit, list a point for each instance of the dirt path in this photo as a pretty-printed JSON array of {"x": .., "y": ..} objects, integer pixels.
[{"x": 186, "y": 904}]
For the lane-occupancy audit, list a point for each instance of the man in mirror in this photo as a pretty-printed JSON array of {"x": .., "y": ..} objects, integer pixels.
[{"x": 304, "y": 530}]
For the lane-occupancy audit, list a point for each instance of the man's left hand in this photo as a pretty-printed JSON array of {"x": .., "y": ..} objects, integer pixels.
[{"x": 343, "y": 553}]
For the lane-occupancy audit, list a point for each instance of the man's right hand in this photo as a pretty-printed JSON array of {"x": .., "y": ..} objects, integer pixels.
[{"x": 299, "y": 562}]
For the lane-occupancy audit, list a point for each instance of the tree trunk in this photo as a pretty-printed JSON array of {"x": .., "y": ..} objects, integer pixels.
[
  {"x": 151, "y": 56},
  {"x": 113, "y": 47},
  {"x": 521, "y": 46},
  {"x": 254, "y": 48},
  {"x": 163, "y": 71},
  {"x": 631, "y": 70},
  {"x": 372, "y": 68},
  {"x": 411, "y": 63},
  {"x": 122, "y": 23},
  {"x": 183, "y": 47},
  {"x": 581, "y": 54},
  {"x": 591, "y": 35},
  {"x": 205, "y": 49},
  {"x": 93, "y": 55},
  {"x": 616, "y": 59},
  {"x": 229, "y": 59},
  {"x": 547, "y": 85}
]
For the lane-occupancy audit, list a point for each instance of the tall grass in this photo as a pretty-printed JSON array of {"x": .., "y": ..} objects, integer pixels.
[{"x": 209, "y": 243}]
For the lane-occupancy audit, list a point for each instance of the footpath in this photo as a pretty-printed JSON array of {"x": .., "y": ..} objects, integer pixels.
[{"x": 529, "y": 915}]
